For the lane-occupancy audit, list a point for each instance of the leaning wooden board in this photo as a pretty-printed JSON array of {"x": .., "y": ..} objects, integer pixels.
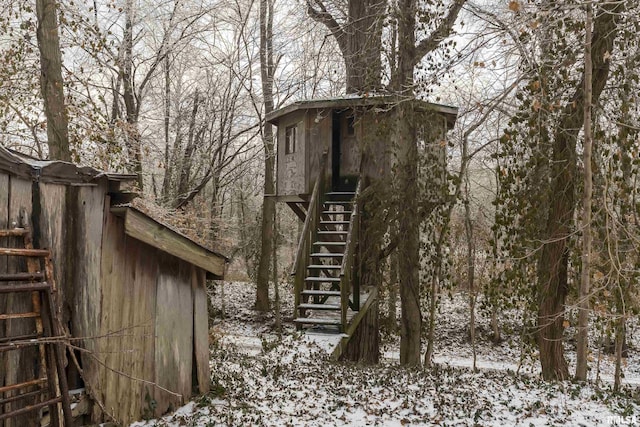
[
  {"x": 200, "y": 328},
  {"x": 110, "y": 334},
  {"x": 20, "y": 366},
  {"x": 87, "y": 298}
]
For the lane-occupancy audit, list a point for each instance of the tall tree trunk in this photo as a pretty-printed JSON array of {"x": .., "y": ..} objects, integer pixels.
[
  {"x": 434, "y": 291},
  {"x": 471, "y": 267},
  {"x": 359, "y": 40},
  {"x": 168, "y": 167},
  {"x": 274, "y": 274},
  {"x": 364, "y": 49},
  {"x": 583, "y": 295},
  {"x": 552, "y": 284},
  {"x": 133, "y": 142},
  {"x": 51, "y": 84},
  {"x": 185, "y": 166},
  {"x": 407, "y": 175},
  {"x": 392, "y": 297},
  {"x": 619, "y": 346},
  {"x": 267, "y": 70}
]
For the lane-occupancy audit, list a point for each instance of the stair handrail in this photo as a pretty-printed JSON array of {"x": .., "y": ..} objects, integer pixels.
[
  {"x": 309, "y": 230},
  {"x": 346, "y": 270}
]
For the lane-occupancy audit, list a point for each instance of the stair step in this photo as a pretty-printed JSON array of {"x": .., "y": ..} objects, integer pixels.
[
  {"x": 333, "y": 232},
  {"x": 317, "y": 321},
  {"x": 319, "y": 306},
  {"x": 334, "y": 222},
  {"x": 324, "y": 267},
  {"x": 321, "y": 293},
  {"x": 329, "y": 243},
  {"x": 322, "y": 279},
  {"x": 340, "y": 194},
  {"x": 326, "y": 255},
  {"x": 336, "y": 212},
  {"x": 338, "y": 202}
]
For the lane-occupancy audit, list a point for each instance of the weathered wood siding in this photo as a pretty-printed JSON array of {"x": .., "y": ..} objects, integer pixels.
[
  {"x": 200, "y": 328},
  {"x": 291, "y": 167},
  {"x": 87, "y": 297},
  {"x": 319, "y": 137},
  {"x": 174, "y": 342},
  {"x": 19, "y": 363},
  {"x": 4, "y": 220},
  {"x": 126, "y": 351},
  {"x": 350, "y": 147},
  {"x": 139, "y": 313},
  {"x": 153, "y": 321},
  {"x": 110, "y": 335},
  {"x": 374, "y": 132}
]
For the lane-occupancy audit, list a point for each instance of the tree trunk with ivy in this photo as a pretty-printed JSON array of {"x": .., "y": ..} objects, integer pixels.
[
  {"x": 552, "y": 286},
  {"x": 358, "y": 35}
]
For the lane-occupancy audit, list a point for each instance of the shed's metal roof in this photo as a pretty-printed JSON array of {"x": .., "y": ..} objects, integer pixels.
[
  {"x": 354, "y": 101},
  {"x": 57, "y": 171}
]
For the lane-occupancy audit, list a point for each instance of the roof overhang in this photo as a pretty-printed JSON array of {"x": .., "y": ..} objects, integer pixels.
[
  {"x": 385, "y": 102},
  {"x": 55, "y": 171},
  {"x": 146, "y": 229}
]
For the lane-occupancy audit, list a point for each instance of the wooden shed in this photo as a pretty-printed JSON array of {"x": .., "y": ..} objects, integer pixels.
[
  {"x": 133, "y": 289},
  {"x": 355, "y": 131}
]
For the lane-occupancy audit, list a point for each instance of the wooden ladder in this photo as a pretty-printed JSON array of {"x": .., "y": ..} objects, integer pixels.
[{"x": 49, "y": 387}]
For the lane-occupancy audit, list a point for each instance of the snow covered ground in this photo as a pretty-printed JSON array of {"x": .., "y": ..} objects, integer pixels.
[{"x": 259, "y": 379}]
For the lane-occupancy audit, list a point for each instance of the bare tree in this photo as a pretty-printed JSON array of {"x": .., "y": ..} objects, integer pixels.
[
  {"x": 553, "y": 267},
  {"x": 583, "y": 294},
  {"x": 267, "y": 71},
  {"x": 51, "y": 83}
]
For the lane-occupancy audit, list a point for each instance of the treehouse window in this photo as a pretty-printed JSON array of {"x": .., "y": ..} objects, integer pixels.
[{"x": 291, "y": 135}]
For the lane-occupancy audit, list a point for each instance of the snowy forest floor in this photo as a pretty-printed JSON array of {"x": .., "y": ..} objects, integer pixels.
[{"x": 261, "y": 379}]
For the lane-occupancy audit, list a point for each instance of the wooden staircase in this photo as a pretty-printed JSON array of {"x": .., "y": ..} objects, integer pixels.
[
  {"x": 326, "y": 285},
  {"x": 321, "y": 297}
]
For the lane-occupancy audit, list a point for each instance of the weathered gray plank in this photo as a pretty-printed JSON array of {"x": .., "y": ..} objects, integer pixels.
[
  {"x": 112, "y": 267},
  {"x": 291, "y": 169},
  {"x": 124, "y": 326},
  {"x": 86, "y": 298},
  {"x": 200, "y": 329},
  {"x": 319, "y": 137},
  {"x": 174, "y": 333},
  {"x": 144, "y": 322},
  {"x": 147, "y": 230},
  {"x": 138, "y": 321},
  {"x": 349, "y": 150}
]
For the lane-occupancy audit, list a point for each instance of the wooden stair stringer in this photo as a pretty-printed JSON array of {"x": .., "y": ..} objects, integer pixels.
[{"x": 354, "y": 323}]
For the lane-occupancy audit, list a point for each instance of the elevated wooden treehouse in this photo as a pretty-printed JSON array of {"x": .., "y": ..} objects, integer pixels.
[{"x": 328, "y": 150}]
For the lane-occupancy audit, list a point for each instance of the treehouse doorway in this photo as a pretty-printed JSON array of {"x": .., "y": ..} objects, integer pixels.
[{"x": 344, "y": 151}]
